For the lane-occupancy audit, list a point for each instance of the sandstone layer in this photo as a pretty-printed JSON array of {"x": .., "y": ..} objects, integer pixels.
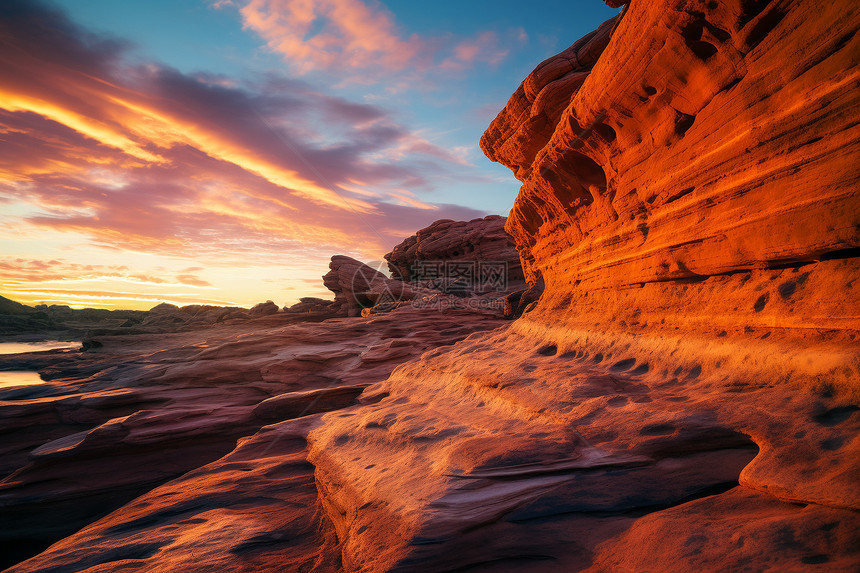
[
  {"x": 464, "y": 257},
  {"x": 110, "y": 424},
  {"x": 685, "y": 394}
]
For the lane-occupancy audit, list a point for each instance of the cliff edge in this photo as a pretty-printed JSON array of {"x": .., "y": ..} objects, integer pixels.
[{"x": 684, "y": 395}]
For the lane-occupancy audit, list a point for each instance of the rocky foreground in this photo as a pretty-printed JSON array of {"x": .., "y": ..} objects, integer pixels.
[{"x": 681, "y": 392}]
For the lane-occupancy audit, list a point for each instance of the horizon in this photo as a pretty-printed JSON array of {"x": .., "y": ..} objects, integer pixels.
[{"x": 220, "y": 152}]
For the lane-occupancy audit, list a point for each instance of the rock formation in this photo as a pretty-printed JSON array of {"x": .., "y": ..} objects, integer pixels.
[
  {"x": 357, "y": 286},
  {"x": 310, "y": 304},
  {"x": 108, "y": 426},
  {"x": 22, "y": 322},
  {"x": 684, "y": 394},
  {"x": 464, "y": 257}
]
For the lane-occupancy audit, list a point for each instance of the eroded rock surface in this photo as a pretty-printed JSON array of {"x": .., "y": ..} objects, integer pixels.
[
  {"x": 688, "y": 385},
  {"x": 683, "y": 396},
  {"x": 111, "y": 424},
  {"x": 357, "y": 286},
  {"x": 486, "y": 252}
]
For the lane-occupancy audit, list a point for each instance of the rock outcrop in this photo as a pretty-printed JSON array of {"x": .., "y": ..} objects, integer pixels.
[
  {"x": 109, "y": 426},
  {"x": 310, "y": 304},
  {"x": 357, "y": 286},
  {"x": 459, "y": 257},
  {"x": 22, "y": 322},
  {"x": 685, "y": 395}
]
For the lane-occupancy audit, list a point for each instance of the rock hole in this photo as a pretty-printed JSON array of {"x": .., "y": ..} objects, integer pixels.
[
  {"x": 836, "y": 415},
  {"x": 650, "y": 90},
  {"x": 683, "y": 122},
  {"x": 695, "y": 372},
  {"x": 833, "y": 444},
  {"x": 641, "y": 369},
  {"x": 679, "y": 194},
  {"x": 570, "y": 354},
  {"x": 761, "y": 302},
  {"x": 587, "y": 170},
  {"x": 549, "y": 350},
  {"x": 786, "y": 289},
  {"x": 763, "y": 27},
  {"x": 750, "y": 9},
  {"x": 702, "y": 49},
  {"x": 692, "y": 34},
  {"x": 622, "y": 365},
  {"x": 605, "y": 131},
  {"x": 598, "y": 358}
]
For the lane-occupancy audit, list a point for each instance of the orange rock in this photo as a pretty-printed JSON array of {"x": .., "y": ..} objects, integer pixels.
[{"x": 690, "y": 199}]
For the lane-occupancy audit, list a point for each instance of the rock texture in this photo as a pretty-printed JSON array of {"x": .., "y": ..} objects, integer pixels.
[
  {"x": 111, "y": 424},
  {"x": 357, "y": 286},
  {"x": 482, "y": 245},
  {"x": 684, "y": 395}
]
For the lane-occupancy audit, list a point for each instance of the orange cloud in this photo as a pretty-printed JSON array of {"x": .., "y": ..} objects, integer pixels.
[{"x": 143, "y": 162}]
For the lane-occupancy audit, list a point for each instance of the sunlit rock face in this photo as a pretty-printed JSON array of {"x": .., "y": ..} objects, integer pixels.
[
  {"x": 707, "y": 138},
  {"x": 685, "y": 394},
  {"x": 682, "y": 394}
]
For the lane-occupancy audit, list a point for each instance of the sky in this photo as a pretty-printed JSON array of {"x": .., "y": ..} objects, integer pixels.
[{"x": 221, "y": 151}]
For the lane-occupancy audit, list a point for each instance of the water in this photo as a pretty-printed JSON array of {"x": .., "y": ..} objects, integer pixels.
[
  {"x": 18, "y": 347},
  {"x": 15, "y": 378}
]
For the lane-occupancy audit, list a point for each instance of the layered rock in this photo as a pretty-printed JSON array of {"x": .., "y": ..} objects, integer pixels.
[
  {"x": 109, "y": 426},
  {"x": 357, "y": 286},
  {"x": 683, "y": 396},
  {"x": 686, "y": 388},
  {"x": 463, "y": 257},
  {"x": 689, "y": 149}
]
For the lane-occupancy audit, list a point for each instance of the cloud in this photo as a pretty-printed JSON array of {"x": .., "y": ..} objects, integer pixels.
[
  {"x": 144, "y": 157},
  {"x": 360, "y": 38},
  {"x": 193, "y": 280},
  {"x": 331, "y": 34}
]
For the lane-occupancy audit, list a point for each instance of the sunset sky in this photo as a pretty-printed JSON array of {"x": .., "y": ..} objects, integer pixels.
[{"x": 220, "y": 151}]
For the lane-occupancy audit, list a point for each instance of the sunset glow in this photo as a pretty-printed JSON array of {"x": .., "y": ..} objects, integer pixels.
[{"x": 226, "y": 165}]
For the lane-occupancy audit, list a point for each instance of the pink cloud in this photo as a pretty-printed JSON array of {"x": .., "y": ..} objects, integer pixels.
[
  {"x": 353, "y": 35},
  {"x": 350, "y": 34},
  {"x": 484, "y": 48},
  {"x": 199, "y": 168}
]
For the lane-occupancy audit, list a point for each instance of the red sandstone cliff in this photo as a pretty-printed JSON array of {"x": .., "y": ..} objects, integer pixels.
[
  {"x": 690, "y": 198},
  {"x": 684, "y": 396}
]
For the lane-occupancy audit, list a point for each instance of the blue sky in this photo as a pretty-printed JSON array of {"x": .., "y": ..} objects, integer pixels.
[{"x": 219, "y": 135}]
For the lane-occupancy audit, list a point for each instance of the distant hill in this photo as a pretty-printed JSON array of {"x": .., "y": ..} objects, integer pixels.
[{"x": 8, "y": 306}]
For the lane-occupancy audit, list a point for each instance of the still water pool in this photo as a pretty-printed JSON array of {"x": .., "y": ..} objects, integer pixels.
[
  {"x": 18, "y": 347},
  {"x": 19, "y": 378}
]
